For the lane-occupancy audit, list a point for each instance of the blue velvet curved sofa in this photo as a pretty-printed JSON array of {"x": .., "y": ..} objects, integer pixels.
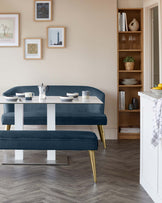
[{"x": 66, "y": 114}]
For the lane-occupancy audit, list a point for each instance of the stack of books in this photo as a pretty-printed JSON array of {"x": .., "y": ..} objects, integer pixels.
[
  {"x": 122, "y": 22},
  {"x": 129, "y": 130}
]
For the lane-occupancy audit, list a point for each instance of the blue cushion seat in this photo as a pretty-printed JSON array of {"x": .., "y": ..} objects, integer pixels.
[
  {"x": 40, "y": 118},
  {"x": 48, "y": 140}
]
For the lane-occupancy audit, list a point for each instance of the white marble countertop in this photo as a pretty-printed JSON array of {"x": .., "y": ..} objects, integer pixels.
[
  {"x": 52, "y": 100},
  {"x": 150, "y": 95}
]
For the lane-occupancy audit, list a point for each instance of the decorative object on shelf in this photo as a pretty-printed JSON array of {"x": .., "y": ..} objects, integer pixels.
[
  {"x": 33, "y": 48},
  {"x": 42, "y": 91},
  {"x": 43, "y": 10},
  {"x": 129, "y": 81},
  {"x": 122, "y": 100},
  {"x": 9, "y": 29},
  {"x": 56, "y": 37},
  {"x": 135, "y": 103},
  {"x": 134, "y": 25},
  {"x": 130, "y": 106},
  {"x": 129, "y": 63}
]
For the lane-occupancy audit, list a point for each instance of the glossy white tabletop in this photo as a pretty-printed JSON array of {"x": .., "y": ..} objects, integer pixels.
[{"x": 53, "y": 100}]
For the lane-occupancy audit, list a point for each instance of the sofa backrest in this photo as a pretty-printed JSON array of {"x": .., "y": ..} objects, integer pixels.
[{"x": 58, "y": 90}]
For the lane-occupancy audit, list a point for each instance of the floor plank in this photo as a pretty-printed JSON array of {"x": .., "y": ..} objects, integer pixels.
[{"x": 117, "y": 178}]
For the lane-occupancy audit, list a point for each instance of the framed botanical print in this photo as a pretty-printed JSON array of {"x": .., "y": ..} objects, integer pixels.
[
  {"x": 43, "y": 10},
  {"x": 9, "y": 29},
  {"x": 56, "y": 37},
  {"x": 32, "y": 48}
]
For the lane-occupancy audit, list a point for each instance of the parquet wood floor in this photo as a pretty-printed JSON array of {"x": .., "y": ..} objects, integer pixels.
[{"x": 117, "y": 178}]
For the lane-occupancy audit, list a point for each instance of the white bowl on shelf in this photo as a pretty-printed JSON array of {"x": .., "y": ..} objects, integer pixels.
[{"x": 129, "y": 81}]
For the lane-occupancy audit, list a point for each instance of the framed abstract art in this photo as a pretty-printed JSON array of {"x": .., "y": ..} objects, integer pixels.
[
  {"x": 9, "y": 29},
  {"x": 43, "y": 10},
  {"x": 32, "y": 48}
]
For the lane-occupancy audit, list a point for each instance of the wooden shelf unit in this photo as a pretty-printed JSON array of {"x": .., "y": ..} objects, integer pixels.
[{"x": 132, "y": 46}]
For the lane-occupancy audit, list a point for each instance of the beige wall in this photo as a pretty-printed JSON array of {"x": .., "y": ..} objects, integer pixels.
[{"x": 90, "y": 56}]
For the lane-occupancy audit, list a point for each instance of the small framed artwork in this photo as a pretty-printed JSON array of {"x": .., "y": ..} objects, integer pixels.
[
  {"x": 32, "y": 48},
  {"x": 43, "y": 10},
  {"x": 9, "y": 29},
  {"x": 56, "y": 37}
]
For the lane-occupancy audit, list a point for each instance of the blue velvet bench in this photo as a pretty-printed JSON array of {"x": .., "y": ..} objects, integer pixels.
[
  {"x": 51, "y": 140},
  {"x": 66, "y": 114}
]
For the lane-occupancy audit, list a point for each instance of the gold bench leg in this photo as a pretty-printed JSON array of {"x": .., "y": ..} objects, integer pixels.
[
  {"x": 101, "y": 133},
  {"x": 93, "y": 164},
  {"x": 7, "y": 127}
]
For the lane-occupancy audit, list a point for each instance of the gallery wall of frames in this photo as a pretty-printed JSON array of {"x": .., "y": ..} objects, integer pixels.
[{"x": 10, "y": 31}]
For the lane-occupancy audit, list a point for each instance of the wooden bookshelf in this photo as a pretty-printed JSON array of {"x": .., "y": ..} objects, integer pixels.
[{"x": 130, "y": 118}]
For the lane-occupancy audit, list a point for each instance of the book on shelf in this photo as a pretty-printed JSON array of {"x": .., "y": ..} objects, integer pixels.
[
  {"x": 121, "y": 100},
  {"x": 122, "y": 22}
]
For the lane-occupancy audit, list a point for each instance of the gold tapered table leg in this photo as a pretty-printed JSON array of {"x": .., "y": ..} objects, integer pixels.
[{"x": 93, "y": 164}]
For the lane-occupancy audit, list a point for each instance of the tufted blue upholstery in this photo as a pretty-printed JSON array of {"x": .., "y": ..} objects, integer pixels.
[
  {"x": 48, "y": 140},
  {"x": 66, "y": 114}
]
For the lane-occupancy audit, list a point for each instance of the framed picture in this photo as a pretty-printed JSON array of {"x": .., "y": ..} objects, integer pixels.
[
  {"x": 43, "y": 10},
  {"x": 56, "y": 37},
  {"x": 33, "y": 48},
  {"x": 9, "y": 29}
]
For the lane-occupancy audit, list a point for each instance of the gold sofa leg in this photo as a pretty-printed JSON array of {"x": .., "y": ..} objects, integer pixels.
[
  {"x": 93, "y": 164},
  {"x": 7, "y": 127},
  {"x": 101, "y": 133}
]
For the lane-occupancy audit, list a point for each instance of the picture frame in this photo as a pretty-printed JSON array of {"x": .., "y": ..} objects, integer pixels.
[
  {"x": 43, "y": 10},
  {"x": 9, "y": 29},
  {"x": 32, "y": 48},
  {"x": 56, "y": 37}
]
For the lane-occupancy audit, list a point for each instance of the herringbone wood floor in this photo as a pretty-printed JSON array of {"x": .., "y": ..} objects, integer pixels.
[{"x": 117, "y": 176}]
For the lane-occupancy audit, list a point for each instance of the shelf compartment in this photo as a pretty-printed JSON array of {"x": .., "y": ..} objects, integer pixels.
[
  {"x": 127, "y": 119},
  {"x": 133, "y": 13},
  {"x": 131, "y": 41},
  {"x": 125, "y": 75},
  {"x": 129, "y": 94},
  {"x": 134, "y": 54}
]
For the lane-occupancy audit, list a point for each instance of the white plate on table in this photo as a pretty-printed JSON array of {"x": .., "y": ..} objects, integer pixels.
[
  {"x": 20, "y": 94},
  {"x": 11, "y": 98},
  {"x": 74, "y": 95},
  {"x": 66, "y": 99}
]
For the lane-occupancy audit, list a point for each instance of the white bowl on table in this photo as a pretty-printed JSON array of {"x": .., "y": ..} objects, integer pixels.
[
  {"x": 13, "y": 99},
  {"x": 66, "y": 99},
  {"x": 74, "y": 95}
]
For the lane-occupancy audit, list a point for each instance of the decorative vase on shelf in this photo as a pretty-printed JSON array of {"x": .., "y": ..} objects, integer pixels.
[
  {"x": 129, "y": 65},
  {"x": 134, "y": 25}
]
